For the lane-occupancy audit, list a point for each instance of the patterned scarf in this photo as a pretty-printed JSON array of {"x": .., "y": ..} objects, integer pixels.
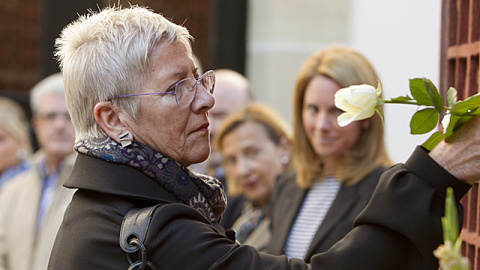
[
  {"x": 203, "y": 193},
  {"x": 248, "y": 221}
]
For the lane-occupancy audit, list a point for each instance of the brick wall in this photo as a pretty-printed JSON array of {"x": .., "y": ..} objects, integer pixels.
[
  {"x": 460, "y": 69},
  {"x": 21, "y": 32},
  {"x": 20, "y": 29}
]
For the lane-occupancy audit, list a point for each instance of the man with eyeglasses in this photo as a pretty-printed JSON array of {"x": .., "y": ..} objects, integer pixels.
[{"x": 32, "y": 203}]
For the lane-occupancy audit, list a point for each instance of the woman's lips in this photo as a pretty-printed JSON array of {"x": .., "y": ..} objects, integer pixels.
[
  {"x": 250, "y": 184},
  {"x": 203, "y": 127}
]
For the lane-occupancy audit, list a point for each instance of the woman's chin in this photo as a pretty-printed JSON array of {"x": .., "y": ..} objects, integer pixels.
[{"x": 200, "y": 156}]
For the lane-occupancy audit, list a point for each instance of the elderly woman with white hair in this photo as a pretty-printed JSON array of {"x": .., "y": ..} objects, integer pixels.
[{"x": 140, "y": 111}]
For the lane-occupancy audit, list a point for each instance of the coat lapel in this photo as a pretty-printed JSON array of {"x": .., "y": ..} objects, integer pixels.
[
  {"x": 340, "y": 207},
  {"x": 290, "y": 211}
]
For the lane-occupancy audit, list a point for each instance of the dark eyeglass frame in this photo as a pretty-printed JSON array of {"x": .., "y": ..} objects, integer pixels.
[{"x": 209, "y": 73}]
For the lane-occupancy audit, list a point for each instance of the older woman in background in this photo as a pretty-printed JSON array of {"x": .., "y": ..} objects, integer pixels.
[
  {"x": 15, "y": 143},
  {"x": 337, "y": 168},
  {"x": 255, "y": 144},
  {"x": 140, "y": 112}
]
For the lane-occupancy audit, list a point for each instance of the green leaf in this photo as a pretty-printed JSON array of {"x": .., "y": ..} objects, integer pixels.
[
  {"x": 473, "y": 99},
  {"x": 380, "y": 113},
  {"x": 424, "y": 121},
  {"x": 451, "y": 97},
  {"x": 434, "y": 95},
  {"x": 465, "y": 108},
  {"x": 401, "y": 99},
  {"x": 433, "y": 140},
  {"x": 468, "y": 107},
  {"x": 455, "y": 123},
  {"x": 425, "y": 92},
  {"x": 451, "y": 229}
]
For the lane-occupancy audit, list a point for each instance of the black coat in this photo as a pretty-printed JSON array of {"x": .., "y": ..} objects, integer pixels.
[
  {"x": 287, "y": 200},
  {"x": 398, "y": 229},
  {"x": 234, "y": 210}
]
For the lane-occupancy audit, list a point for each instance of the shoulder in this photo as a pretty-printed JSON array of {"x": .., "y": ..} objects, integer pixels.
[
  {"x": 370, "y": 181},
  {"x": 233, "y": 210},
  {"x": 21, "y": 180},
  {"x": 286, "y": 180},
  {"x": 285, "y": 187}
]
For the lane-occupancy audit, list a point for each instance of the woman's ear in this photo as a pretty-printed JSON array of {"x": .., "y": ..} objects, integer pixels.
[
  {"x": 285, "y": 147},
  {"x": 108, "y": 119},
  {"x": 366, "y": 124}
]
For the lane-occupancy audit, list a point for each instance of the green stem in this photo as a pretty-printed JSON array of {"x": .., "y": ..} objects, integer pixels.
[
  {"x": 402, "y": 102},
  {"x": 412, "y": 103}
]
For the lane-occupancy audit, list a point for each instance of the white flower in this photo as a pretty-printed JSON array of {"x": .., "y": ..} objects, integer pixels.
[
  {"x": 450, "y": 257},
  {"x": 446, "y": 120},
  {"x": 358, "y": 102}
]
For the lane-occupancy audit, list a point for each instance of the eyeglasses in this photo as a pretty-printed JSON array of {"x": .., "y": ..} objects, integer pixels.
[
  {"x": 184, "y": 90},
  {"x": 51, "y": 116}
]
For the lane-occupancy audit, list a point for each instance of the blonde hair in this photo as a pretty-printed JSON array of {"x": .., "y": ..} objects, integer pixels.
[
  {"x": 107, "y": 53},
  {"x": 15, "y": 122},
  {"x": 274, "y": 125},
  {"x": 346, "y": 67}
]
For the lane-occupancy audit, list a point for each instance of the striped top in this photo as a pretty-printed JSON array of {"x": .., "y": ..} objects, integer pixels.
[{"x": 315, "y": 207}]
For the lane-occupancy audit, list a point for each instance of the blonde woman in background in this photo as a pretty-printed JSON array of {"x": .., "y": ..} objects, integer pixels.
[
  {"x": 337, "y": 168},
  {"x": 15, "y": 144},
  {"x": 255, "y": 144}
]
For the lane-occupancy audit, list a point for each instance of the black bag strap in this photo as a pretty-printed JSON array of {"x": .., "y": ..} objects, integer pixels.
[{"x": 132, "y": 236}]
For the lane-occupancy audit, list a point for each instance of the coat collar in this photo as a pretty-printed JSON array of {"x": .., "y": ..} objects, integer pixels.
[{"x": 94, "y": 174}]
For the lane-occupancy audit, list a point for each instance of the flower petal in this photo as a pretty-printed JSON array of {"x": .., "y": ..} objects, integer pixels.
[{"x": 344, "y": 119}]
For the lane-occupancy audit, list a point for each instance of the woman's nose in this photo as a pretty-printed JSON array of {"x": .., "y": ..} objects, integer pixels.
[
  {"x": 203, "y": 98},
  {"x": 242, "y": 168},
  {"x": 323, "y": 121}
]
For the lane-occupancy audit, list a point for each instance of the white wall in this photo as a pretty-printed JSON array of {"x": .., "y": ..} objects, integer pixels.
[
  {"x": 400, "y": 38},
  {"x": 282, "y": 34}
]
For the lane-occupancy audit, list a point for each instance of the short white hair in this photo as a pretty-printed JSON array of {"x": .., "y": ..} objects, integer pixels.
[{"x": 106, "y": 53}]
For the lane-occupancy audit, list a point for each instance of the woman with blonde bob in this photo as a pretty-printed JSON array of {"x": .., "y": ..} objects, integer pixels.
[
  {"x": 337, "y": 168},
  {"x": 255, "y": 144}
]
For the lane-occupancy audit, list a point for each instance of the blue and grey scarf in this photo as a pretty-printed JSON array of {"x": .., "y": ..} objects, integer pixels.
[{"x": 201, "y": 192}]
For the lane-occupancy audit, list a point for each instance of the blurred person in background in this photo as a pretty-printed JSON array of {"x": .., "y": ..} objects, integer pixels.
[
  {"x": 336, "y": 168},
  {"x": 255, "y": 144},
  {"x": 33, "y": 202},
  {"x": 232, "y": 93},
  {"x": 15, "y": 143}
]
